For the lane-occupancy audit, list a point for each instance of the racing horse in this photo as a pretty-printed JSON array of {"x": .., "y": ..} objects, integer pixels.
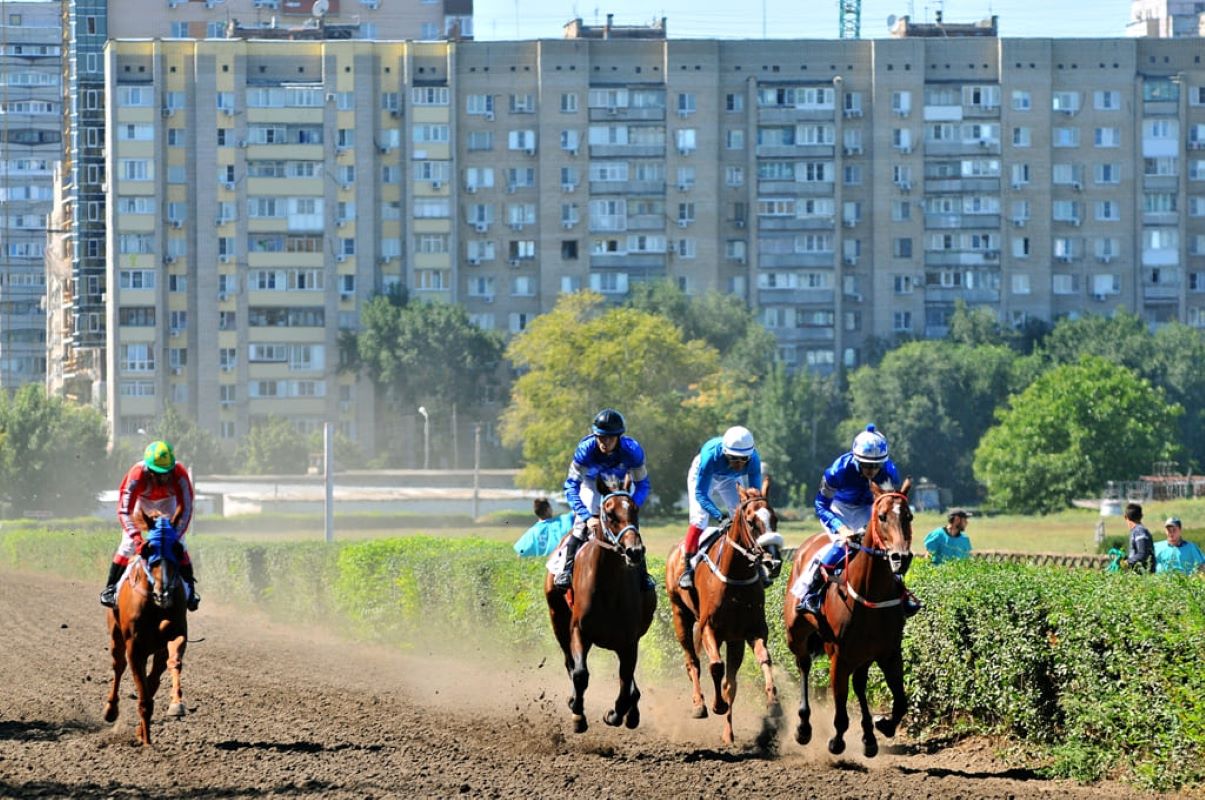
[
  {"x": 607, "y": 605},
  {"x": 149, "y": 621},
  {"x": 861, "y": 620},
  {"x": 727, "y": 604}
]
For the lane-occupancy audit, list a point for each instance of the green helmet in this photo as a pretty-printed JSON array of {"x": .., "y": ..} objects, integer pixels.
[{"x": 159, "y": 457}]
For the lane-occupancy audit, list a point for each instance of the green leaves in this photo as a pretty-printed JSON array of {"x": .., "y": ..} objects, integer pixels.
[
  {"x": 274, "y": 447},
  {"x": 1072, "y": 430}
]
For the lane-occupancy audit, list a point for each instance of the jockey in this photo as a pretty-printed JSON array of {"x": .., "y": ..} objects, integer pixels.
[
  {"x": 607, "y": 454},
  {"x": 843, "y": 505},
  {"x": 723, "y": 462},
  {"x": 156, "y": 486}
]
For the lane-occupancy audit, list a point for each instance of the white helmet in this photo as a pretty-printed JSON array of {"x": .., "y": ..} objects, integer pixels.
[
  {"x": 738, "y": 442},
  {"x": 870, "y": 446}
]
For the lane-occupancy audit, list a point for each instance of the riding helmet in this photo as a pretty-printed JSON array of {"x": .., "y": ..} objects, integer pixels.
[
  {"x": 608, "y": 422},
  {"x": 738, "y": 442},
  {"x": 870, "y": 446},
  {"x": 159, "y": 457}
]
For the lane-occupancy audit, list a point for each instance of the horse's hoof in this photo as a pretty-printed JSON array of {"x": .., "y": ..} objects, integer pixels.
[
  {"x": 885, "y": 726},
  {"x": 719, "y": 708},
  {"x": 775, "y": 711},
  {"x": 803, "y": 734},
  {"x": 612, "y": 719},
  {"x": 175, "y": 710},
  {"x": 579, "y": 723},
  {"x": 836, "y": 746},
  {"x": 699, "y": 712},
  {"x": 870, "y": 748},
  {"x": 110, "y": 713},
  {"x": 632, "y": 721}
]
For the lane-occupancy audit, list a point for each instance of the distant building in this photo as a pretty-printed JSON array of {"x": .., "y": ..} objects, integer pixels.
[{"x": 1166, "y": 19}]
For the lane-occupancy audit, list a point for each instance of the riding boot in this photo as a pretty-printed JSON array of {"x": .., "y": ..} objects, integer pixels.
[
  {"x": 813, "y": 595},
  {"x": 565, "y": 579},
  {"x": 194, "y": 599},
  {"x": 108, "y": 597},
  {"x": 687, "y": 581},
  {"x": 646, "y": 582}
]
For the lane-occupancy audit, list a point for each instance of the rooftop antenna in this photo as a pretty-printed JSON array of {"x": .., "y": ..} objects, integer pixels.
[{"x": 320, "y": 8}]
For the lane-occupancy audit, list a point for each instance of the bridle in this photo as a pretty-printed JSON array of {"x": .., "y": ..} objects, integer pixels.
[
  {"x": 754, "y": 554},
  {"x": 612, "y": 540},
  {"x": 875, "y": 549}
]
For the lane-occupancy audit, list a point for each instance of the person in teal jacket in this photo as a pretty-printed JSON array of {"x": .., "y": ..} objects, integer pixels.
[
  {"x": 1177, "y": 555},
  {"x": 543, "y": 537},
  {"x": 950, "y": 542}
]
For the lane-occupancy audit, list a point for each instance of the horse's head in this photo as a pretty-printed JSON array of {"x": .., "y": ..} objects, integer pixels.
[
  {"x": 890, "y": 527},
  {"x": 759, "y": 531},
  {"x": 621, "y": 527},
  {"x": 161, "y": 556}
]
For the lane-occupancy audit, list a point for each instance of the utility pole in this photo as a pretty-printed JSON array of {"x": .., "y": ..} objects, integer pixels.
[{"x": 850, "y": 26}]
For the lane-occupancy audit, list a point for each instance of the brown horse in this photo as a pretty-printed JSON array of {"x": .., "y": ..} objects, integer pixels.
[
  {"x": 727, "y": 605},
  {"x": 607, "y": 606},
  {"x": 861, "y": 621},
  {"x": 150, "y": 620}
]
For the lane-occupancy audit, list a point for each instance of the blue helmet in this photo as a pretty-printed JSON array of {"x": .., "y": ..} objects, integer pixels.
[
  {"x": 870, "y": 446},
  {"x": 608, "y": 422}
]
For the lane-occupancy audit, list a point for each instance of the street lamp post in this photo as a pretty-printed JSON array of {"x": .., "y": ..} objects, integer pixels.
[{"x": 426, "y": 437}]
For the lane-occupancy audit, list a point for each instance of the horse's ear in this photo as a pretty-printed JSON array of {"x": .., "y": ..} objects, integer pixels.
[
  {"x": 627, "y": 482},
  {"x": 742, "y": 491},
  {"x": 765, "y": 486},
  {"x": 875, "y": 489},
  {"x": 907, "y": 487}
]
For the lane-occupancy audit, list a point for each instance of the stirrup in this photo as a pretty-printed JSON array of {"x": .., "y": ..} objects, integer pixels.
[
  {"x": 108, "y": 597},
  {"x": 687, "y": 581},
  {"x": 809, "y": 603},
  {"x": 563, "y": 580},
  {"x": 194, "y": 601}
]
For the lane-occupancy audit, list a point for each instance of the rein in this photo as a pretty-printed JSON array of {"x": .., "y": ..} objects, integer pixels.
[
  {"x": 751, "y": 555},
  {"x": 612, "y": 539},
  {"x": 872, "y": 532}
]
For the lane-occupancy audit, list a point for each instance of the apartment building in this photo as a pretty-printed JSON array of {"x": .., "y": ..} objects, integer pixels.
[
  {"x": 849, "y": 191},
  {"x": 1166, "y": 19},
  {"x": 30, "y": 113},
  {"x": 77, "y": 326}
]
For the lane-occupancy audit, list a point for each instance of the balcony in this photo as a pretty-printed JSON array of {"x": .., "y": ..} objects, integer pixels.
[
  {"x": 796, "y": 260},
  {"x": 789, "y": 115},
  {"x": 796, "y": 297},
  {"x": 962, "y": 258},
  {"x": 958, "y": 221},
  {"x": 627, "y": 261},
  {"x": 974, "y": 184},
  {"x": 627, "y": 151},
  {"x": 626, "y": 114},
  {"x": 646, "y": 222},
  {"x": 799, "y": 335},
  {"x": 972, "y": 148},
  {"x": 944, "y": 294}
]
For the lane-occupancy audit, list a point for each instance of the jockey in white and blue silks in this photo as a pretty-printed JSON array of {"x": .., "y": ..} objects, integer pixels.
[
  {"x": 843, "y": 504},
  {"x": 607, "y": 454},
  {"x": 721, "y": 465}
]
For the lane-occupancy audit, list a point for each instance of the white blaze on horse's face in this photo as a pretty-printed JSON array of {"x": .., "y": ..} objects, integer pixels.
[{"x": 767, "y": 521}]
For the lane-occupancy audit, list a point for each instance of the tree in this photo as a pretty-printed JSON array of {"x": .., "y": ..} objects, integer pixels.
[
  {"x": 583, "y": 356},
  {"x": 196, "y": 448},
  {"x": 1076, "y": 427},
  {"x": 273, "y": 447},
  {"x": 52, "y": 454},
  {"x": 933, "y": 400}
]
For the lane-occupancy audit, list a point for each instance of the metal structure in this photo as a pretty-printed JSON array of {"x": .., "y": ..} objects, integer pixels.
[{"x": 851, "y": 19}]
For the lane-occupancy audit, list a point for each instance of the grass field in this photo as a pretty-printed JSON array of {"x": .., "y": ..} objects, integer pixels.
[{"x": 1071, "y": 531}]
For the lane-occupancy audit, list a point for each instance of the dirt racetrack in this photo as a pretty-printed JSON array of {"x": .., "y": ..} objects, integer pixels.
[{"x": 274, "y": 711}]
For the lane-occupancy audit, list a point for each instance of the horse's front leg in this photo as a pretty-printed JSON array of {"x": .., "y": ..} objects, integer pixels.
[
  {"x": 762, "y": 654},
  {"x": 803, "y": 661},
  {"x": 684, "y": 624},
  {"x": 627, "y": 708},
  {"x": 893, "y": 671},
  {"x": 715, "y": 665},
  {"x": 736, "y": 654},
  {"x": 579, "y": 648},
  {"x": 839, "y": 677},
  {"x": 870, "y": 746},
  {"x": 146, "y": 699},
  {"x": 175, "y": 664},
  {"x": 117, "y": 648}
]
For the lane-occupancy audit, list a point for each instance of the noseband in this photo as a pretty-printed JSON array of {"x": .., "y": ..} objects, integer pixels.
[
  {"x": 611, "y": 539},
  {"x": 752, "y": 553},
  {"x": 880, "y": 551}
]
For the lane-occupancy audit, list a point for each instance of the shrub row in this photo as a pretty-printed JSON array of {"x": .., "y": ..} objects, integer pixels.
[{"x": 1101, "y": 672}]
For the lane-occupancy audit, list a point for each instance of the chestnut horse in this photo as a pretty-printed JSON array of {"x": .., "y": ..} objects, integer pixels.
[
  {"x": 861, "y": 621},
  {"x": 607, "y": 606},
  {"x": 149, "y": 619},
  {"x": 727, "y": 605}
]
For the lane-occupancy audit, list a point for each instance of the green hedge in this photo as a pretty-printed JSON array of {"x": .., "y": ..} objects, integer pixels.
[{"x": 1101, "y": 673}]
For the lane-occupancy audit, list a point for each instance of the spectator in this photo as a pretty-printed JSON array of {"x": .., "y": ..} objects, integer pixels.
[
  {"x": 543, "y": 537},
  {"x": 1141, "y": 555},
  {"x": 1177, "y": 555},
  {"x": 950, "y": 542}
]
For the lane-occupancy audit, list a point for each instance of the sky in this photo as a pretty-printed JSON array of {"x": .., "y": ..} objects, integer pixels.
[{"x": 777, "y": 19}]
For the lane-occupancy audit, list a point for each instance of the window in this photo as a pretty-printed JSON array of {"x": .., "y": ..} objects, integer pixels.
[
  {"x": 1107, "y": 137},
  {"x": 901, "y": 321},
  {"x": 1065, "y": 137},
  {"x": 1106, "y": 100},
  {"x": 1021, "y": 101},
  {"x": 568, "y": 102},
  {"x": 901, "y": 247},
  {"x": 1021, "y": 137},
  {"x": 734, "y": 102},
  {"x": 902, "y": 283},
  {"x": 734, "y": 139}
]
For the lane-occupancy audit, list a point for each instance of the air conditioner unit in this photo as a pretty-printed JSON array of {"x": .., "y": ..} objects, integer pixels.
[
  {"x": 684, "y": 151},
  {"x": 850, "y": 222},
  {"x": 225, "y": 259},
  {"x": 514, "y": 262},
  {"x": 568, "y": 187},
  {"x": 1077, "y": 186},
  {"x": 571, "y": 151},
  {"x": 345, "y": 295},
  {"x": 228, "y": 112},
  {"x": 531, "y": 151},
  {"x": 489, "y": 116},
  {"x": 222, "y": 297},
  {"x": 330, "y": 97},
  {"x": 482, "y": 227},
  {"x": 382, "y": 149},
  {"x": 169, "y": 259},
  {"x": 850, "y": 261},
  {"x": 167, "y": 112},
  {"x": 683, "y": 223},
  {"x": 1098, "y": 297},
  {"x": 474, "y": 262},
  {"x": 242, "y": 142},
  {"x": 984, "y": 143},
  {"x": 740, "y": 223},
  {"x": 902, "y": 112},
  {"x": 177, "y": 223},
  {"x": 904, "y": 149},
  {"x": 341, "y": 258},
  {"x": 1104, "y": 259},
  {"x": 684, "y": 187},
  {"x": 471, "y": 188},
  {"x": 177, "y": 370},
  {"x": 612, "y": 111},
  {"x": 229, "y": 186},
  {"x": 340, "y": 223},
  {"x": 383, "y": 259},
  {"x": 347, "y": 187},
  {"x": 1018, "y": 222},
  {"x": 437, "y": 185},
  {"x": 905, "y": 186},
  {"x": 396, "y": 113},
  {"x": 516, "y": 226},
  {"x": 851, "y": 113},
  {"x": 1074, "y": 221}
]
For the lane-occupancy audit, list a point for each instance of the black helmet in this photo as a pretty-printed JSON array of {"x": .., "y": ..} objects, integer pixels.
[{"x": 608, "y": 422}]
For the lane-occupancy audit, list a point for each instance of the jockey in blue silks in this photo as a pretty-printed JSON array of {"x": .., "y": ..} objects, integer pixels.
[
  {"x": 607, "y": 454},
  {"x": 843, "y": 504}
]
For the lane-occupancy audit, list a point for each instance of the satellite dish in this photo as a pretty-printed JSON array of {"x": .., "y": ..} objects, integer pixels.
[
  {"x": 320, "y": 8},
  {"x": 890, "y": 21}
]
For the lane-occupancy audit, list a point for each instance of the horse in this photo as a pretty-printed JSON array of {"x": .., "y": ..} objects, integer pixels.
[
  {"x": 861, "y": 621},
  {"x": 150, "y": 619},
  {"x": 727, "y": 605},
  {"x": 607, "y": 605}
]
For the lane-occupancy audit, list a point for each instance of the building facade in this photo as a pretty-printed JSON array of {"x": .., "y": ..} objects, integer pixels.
[
  {"x": 849, "y": 191},
  {"x": 30, "y": 115},
  {"x": 1166, "y": 19},
  {"x": 79, "y": 324}
]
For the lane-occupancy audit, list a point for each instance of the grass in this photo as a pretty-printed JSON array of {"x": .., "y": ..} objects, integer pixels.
[{"x": 1070, "y": 531}]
